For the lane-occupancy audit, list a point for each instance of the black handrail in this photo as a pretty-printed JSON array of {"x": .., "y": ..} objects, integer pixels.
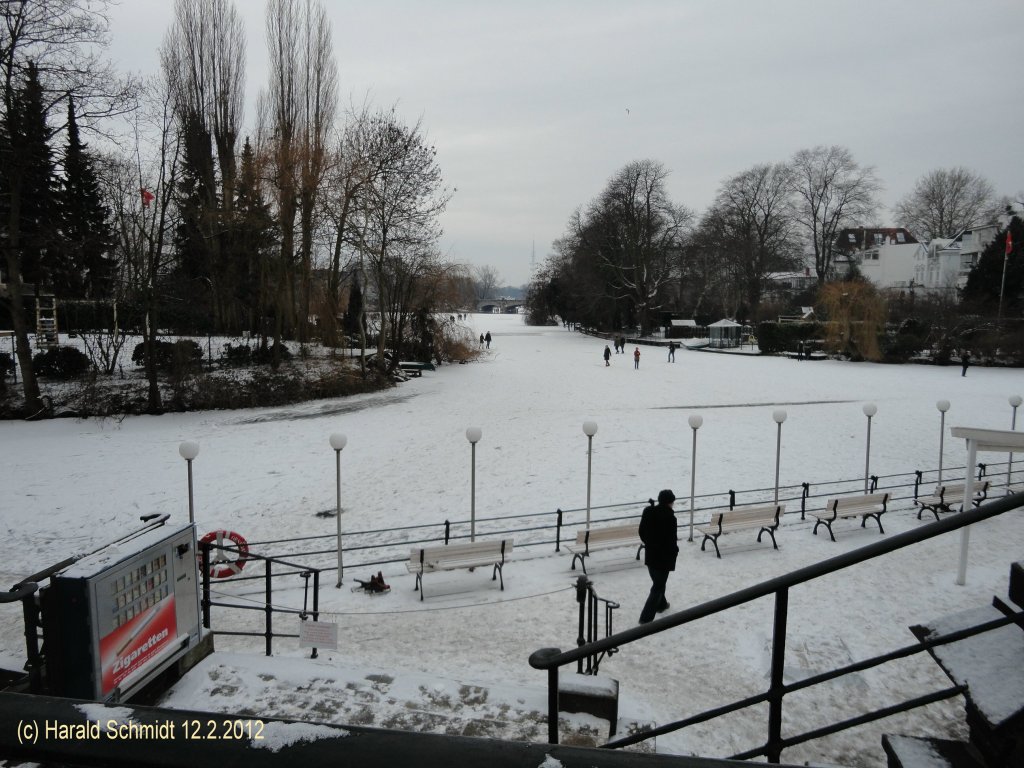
[{"x": 551, "y": 659}]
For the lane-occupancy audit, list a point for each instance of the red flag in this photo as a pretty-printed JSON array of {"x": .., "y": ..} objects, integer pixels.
[
  {"x": 1009, "y": 242},
  {"x": 147, "y": 197}
]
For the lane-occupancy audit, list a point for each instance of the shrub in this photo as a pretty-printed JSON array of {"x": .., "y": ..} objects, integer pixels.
[
  {"x": 238, "y": 354},
  {"x": 61, "y": 363},
  {"x": 171, "y": 356},
  {"x": 265, "y": 355}
]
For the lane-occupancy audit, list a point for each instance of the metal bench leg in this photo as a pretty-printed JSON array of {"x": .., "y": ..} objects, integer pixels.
[
  {"x": 498, "y": 573},
  {"x": 771, "y": 533},
  {"x": 419, "y": 585}
]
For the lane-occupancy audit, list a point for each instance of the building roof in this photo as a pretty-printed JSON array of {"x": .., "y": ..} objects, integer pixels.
[{"x": 855, "y": 239}]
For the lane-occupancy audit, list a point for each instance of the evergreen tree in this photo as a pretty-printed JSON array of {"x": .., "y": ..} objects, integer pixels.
[
  {"x": 254, "y": 243},
  {"x": 985, "y": 281},
  {"x": 196, "y": 198},
  {"x": 87, "y": 268},
  {"x": 28, "y": 184},
  {"x": 354, "y": 311}
]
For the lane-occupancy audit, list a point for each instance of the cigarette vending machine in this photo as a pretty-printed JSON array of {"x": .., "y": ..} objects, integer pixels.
[{"x": 117, "y": 618}]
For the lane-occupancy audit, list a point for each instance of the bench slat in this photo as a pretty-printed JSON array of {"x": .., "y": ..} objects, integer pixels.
[
  {"x": 766, "y": 518},
  {"x": 456, "y": 556},
  {"x": 608, "y": 537}
]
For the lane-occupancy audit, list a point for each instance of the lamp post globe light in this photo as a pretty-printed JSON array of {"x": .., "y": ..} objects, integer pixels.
[
  {"x": 695, "y": 421},
  {"x": 589, "y": 429},
  {"x": 870, "y": 409},
  {"x": 338, "y": 441},
  {"x": 188, "y": 451},
  {"x": 473, "y": 434},
  {"x": 943, "y": 406},
  {"x": 779, "y": 416},
  {"x": 1015, "y": 401}
]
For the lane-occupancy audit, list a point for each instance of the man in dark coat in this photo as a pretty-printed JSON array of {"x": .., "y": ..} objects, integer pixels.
[{"x": 658, "y": 531}]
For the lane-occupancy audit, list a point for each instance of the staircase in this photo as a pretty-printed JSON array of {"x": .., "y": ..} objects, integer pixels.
[
  {"x": 990, "y": 666},
  {"x": 46, "y": 322}
]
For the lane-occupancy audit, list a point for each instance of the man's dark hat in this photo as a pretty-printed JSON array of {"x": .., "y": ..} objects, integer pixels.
[{"x": 666, "y": 496}]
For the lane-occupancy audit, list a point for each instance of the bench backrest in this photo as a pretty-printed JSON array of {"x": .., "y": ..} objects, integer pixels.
[
  {"x": 496, "y": 548},
  {"x": 748, "y": 515},
  {"x": 844, "y": 503},
  {"x": 956, "y": 492},
  {"x": 609, "y": 533}
]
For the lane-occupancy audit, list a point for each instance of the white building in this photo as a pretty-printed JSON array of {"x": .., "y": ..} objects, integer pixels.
[
  {"x": 887, "y": 256},
  {"x": 945, "y": 263}
]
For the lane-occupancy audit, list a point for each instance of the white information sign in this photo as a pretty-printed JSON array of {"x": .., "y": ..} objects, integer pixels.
[{"x": 318, "y": 634}]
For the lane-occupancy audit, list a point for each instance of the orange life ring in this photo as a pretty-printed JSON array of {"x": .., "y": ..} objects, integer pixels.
[{"x": 221, "y": 565}]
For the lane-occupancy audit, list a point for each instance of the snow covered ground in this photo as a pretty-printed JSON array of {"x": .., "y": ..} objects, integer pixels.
[{"x": 67, "y": 487}]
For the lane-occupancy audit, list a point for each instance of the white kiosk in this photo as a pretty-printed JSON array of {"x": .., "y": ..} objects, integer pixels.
[{"x": 981, "y": 440}]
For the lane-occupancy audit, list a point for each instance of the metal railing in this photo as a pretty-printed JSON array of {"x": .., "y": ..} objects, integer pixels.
[
  {"x": 591, "y": 608},
  {"x": 268, "y": 607},
  {"x": 552, "y": 659}
]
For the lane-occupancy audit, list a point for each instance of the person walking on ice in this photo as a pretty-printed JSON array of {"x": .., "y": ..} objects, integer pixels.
[
  {"x": 636, "y": 358},
  {"x": 672, "y": 352},
  {"x": 658, "y": 532},
  {"x": 487, "y": 338},
  {"x": 607, "y": 356}
]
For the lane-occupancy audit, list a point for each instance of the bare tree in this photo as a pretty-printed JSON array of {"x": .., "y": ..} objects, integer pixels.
[
  {"x": 398, "y": 224},
  {"x": 203, "y": 56},
  {"x": 62, "y": 40},
  {"x": 636, "y": 233},
  {"x": 752, "y": 225},
  {"x": 946, "y": 201},
  {"x": 832, "y": 192},
  {"x": 486, "y": 281}
]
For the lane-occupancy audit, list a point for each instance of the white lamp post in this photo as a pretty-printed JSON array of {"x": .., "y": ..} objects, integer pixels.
[
  {"x": 943, "y": 406},
  {"x": 189, "y": 450},
  {"x": 1015, "y": 401},
  {"x": 779, "y": 416},
  {"x": 870, "y": 409},
  {"x": 338, "y": 441},
  {"x": 589, "y": 429},
  {"x": 695, "y": 423},
  {"x": 473, "y": 434}
]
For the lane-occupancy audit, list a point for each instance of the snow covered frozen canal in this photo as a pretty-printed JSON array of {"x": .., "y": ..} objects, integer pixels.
[{"x": 69, "y": 486}]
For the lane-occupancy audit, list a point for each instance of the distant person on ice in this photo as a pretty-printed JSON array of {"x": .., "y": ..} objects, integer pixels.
[
  {"x": 487, "y": 338},
  {"x": 671, "y": 352},
  {"x": 965, "y": 360},
  {"x": 607, "y": 355},
  {"x": 481, "y": 339},
  {"x": 636, "y": 358},
  {"x": 658, "y": 532}
]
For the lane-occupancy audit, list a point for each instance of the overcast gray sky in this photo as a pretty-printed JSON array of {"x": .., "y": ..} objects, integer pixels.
[{"x": 534, "y": 105}]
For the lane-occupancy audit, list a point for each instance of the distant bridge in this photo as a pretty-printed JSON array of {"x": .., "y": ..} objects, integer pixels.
[{"x": 503, "y": 306}]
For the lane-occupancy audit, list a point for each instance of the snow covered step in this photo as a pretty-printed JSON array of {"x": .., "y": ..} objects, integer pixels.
[
  {"x": 911, "y": 752},
  {"x": 991, "y": 666}
]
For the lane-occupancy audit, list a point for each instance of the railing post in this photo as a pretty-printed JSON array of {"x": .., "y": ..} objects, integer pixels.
[
  {"x": 773, "y": 749},
  {"x": 803, "y": 498},
  {"x": 205, "y": 547},
  {"x": 917, "y": 481},
  {"x": 269, "y": 611},
  {"x": 581, "y": 597},
  {"x": 732, "y": 498},
  {"x": 558, "y": 531},
  {"x": 34, "y": 662},
  {"x": 447, "y": 532},
  {"x": 538, "y": 660},
  {"x": 874, "y": 483},
  {"x": 982, "y": 469}
]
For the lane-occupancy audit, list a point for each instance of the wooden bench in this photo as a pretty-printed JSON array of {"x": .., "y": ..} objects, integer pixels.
[
  {"x": 416, "y": 369},
  {"x": 765, "y": 518},
  {"x": 944, "y": 497},
  {"x": 868, "y": 505},
  {"x": 591, "y": 539},
  {"x": 450, "y": 557}
]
